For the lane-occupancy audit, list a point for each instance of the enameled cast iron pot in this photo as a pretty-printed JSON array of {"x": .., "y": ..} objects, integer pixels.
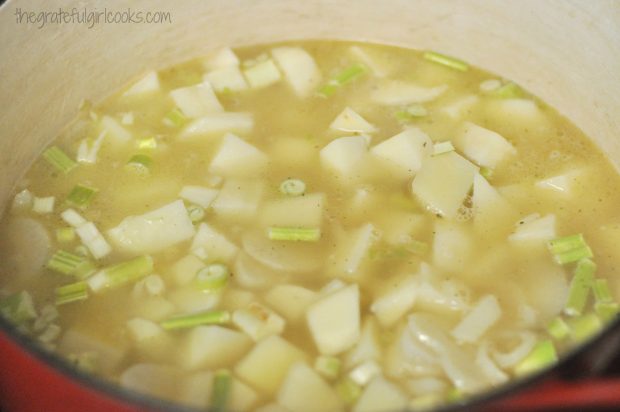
[{"x": 566, "y": 52}]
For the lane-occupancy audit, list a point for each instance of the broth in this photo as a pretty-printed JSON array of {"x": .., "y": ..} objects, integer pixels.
[{"x": 314, "y": 226}]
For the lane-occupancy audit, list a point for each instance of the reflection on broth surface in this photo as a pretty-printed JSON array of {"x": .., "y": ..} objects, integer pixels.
[{"x": 314, "y": 226}]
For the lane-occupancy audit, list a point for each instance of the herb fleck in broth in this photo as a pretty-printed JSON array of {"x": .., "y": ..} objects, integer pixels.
[{"x": 314, "y": 226}]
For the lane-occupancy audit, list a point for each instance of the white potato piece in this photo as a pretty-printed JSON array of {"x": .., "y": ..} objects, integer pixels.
[
  {"x": 238, "y": 200},
  {"x": 162, "y": 381},
  {"x": 184, "y": 270},
  {"x": 493, "y": 214},
  {"x": 294, "y": 257},
  {"x": 212, "y": 347},
  {"x": 290, "y": 300},
  {"x": 199, "y": 195},
  {"x": 397, "y": 92},
  {"x": 457, "y": 108},
  {"x": 480, "y": 318},
  {"x": 114, "y": 130},
  {"x": 367, "y": 348},
  {"x": 197, "y": 100},
  {"x": 190, "y": 299},
  {"x": 251, "y": 274},
  {"x": 148, "y": 83},
  {"x": 334, "y": 320},
  {"x": 215, "y": 124},
  {"x": 303, "y": 390},
  {"x": 258, "y": 321},
  {"x": 226, "y": 79},
  {"x": 406, "y": 150},
  {"x": 153, "y": 231},
  {"x": 483, "y": 146},
  {"x": 299, "y": 211},
  {"x": 397, "y": 299},
  {"x": 350, "y": 121},
  {"x": 299, "y": 68},
  {"x": 452, "y": 245},
  {"x": 266, "y": 365},
  {"x": 537, "y": 229},
  {"x": 345, "y": 156},
  {"x": 381, "y": 395},
  {"x": 107, "y": 355},
  {"x": 443, "y": 182},
  {"x": 262, "y": 74},
  {"x": 212, "y": 245},
  {"x": 242, "y": 397},
  {"x": 353, "y": 250},
  {"x": 236, "y": 157},
  {"x": 220, "y": 58},
  {"x": 26, "y": 247}
]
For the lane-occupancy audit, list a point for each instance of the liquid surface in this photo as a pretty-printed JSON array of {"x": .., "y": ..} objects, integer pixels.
[{"x": 315, "y": 226}]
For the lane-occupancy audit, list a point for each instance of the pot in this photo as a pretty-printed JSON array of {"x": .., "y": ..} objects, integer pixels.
[{"x": 564, "y": 52}]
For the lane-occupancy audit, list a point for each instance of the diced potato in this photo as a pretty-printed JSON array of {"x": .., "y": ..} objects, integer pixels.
[
  {"x": 334, "y": 320},
  {"x": 480, "y": 318},
  {"x": 407, "y": 150},
  {"x": 267, "y": 364},
  {"x": 258, "y": 321},
  {"x": 262, "y": 74},
  {"x": 153, "y": 308},
  {"x": 367, "y": 348},
  {"x": 107, "y": 355},
  {"x": 195, "y": 390},
  {"x": 251, "y": 274},
  {"x": 226, "y": 79},
  {"x": 395, "y": 301},
  {"x": 162, "y": 381},
  {"x": 220, "y": 58},
  {"x": 300, "y": 211},
  {"x": 238, "y": 199},
  {"x": 290, "y": 300},
  {"x": 299, "y": 68},
  {"x": 236, "y": 157},
  {"x": 538, "y": 278},
  {"x": 216, "y": 124},
  {"x": 452, "y": 245},
  {"x": 191, "y": 299},
  {"x": 537, "y": 229},
  {"x": 516, "y": 113},
  {"x": 153, "y": 231},
  {"x": 443, "y": 182},
  {"x": 304, "y": 390},
  {"x": 457, "y": 108},
  {"x": 202, "y": 196},
  {"x": 398, "y": 228},
  {"x": 237, "y": 298},
  {"x": 114, "y": 130},
  {"x": 349, "y": 121},
  {"x": 397, "y": 92},
  {"x": 561, "y": 183},
  {"x": 381, "y": 396},
  {"x": 491, "y": 210},
  {"x": 353, "y": 250},
  {"x": 215, "y": 246},
  {"x": 485, "y": 147},
  {"x": 147, "y": 84},
  {"x": 379, "y": 67},
  {"x": 242, "y": 397},
  {"x": 25, "y": 247},
  {"x": 212, "y": 347},
  {"x": 346, "y": 155},
  {"x": 184, "y": 270},
  {"x": 196, "y": 101},
  {"x": 149, "y": 338},
  {"x": 294, "y": 257}
]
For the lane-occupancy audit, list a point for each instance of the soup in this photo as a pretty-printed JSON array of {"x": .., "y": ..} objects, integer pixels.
[{"x": 314, "y": 226}]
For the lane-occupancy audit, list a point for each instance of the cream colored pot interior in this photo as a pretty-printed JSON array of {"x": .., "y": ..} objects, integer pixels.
[{"x": 567, "y": 52}]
